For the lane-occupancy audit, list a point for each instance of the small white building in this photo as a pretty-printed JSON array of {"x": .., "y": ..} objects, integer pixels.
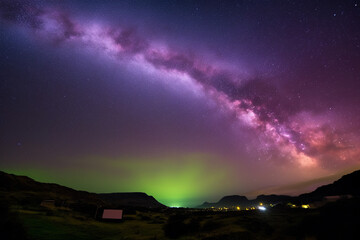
[{"x": 112, "y": 214}]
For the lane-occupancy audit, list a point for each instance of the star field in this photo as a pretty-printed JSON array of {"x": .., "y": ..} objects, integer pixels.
[{"x": 241, "y": 96}]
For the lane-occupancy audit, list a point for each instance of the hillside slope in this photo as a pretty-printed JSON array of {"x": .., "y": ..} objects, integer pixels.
[
  {"x": 347, "y": 185},
  {"x": 24, "y": 190}
]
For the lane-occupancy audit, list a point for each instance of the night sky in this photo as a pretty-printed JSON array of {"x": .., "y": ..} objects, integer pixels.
[{"x": 187, "y": 101}]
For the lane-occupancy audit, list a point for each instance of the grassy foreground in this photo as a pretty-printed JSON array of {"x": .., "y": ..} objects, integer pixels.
[
  {"x": 172, "y": 224},
  {"x": 337, "y": 221}
]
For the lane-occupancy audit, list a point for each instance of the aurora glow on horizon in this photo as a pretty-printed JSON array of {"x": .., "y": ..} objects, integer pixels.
[{"x": 185, "y": 100}]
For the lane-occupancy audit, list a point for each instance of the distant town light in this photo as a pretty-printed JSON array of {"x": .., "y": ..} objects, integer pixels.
[
  {"x": 175, "y": 206},
  {"x": 262, "y": 208},
  {"x": 237, "y": 208},
  {"x": 305, "y": 206}
]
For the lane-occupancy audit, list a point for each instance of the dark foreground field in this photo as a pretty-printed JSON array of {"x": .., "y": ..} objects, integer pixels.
[{"x": 334, "y": 221}]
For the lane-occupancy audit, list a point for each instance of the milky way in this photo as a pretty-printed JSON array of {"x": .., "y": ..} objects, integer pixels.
[{"x": 299, "y": 117}]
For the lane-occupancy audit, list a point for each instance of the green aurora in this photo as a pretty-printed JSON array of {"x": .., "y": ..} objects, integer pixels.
[{"x": 174, "y": 181}]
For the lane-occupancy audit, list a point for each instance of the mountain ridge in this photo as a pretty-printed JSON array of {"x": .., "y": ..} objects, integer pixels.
[
  {"x": 35, "y": 191},
  {"x": 22, "y": 188},
  {"x": 348, "y": 184}
]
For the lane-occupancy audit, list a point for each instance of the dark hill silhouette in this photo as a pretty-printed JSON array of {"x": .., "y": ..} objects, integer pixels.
[
  {"x": 29, "y": 187},
  {"x": 347, "y": 185},
  {"x": 232, "y": 199},
  {"x": 22, "y": 189},
  {"x": 135, "y": 199},
  {"x": 228, "y": 201}
]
